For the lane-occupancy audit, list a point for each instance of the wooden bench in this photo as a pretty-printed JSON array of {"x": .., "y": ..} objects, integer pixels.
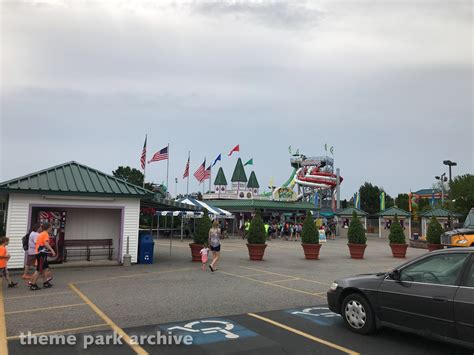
[{"x": 99, "y": 247}]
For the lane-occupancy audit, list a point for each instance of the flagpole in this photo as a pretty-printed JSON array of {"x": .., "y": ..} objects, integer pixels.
[
  {"x": 189, "y": 166},
  {"x": 210, "y": 178},
  {"x": 168, "y": 168},
  {"x": 144, "y": 165}
]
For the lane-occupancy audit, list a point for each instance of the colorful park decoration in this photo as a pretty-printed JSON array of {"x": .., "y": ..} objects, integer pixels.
[{"x": 397, "y": 239}]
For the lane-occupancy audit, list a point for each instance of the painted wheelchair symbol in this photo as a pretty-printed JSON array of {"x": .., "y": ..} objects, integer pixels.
[
  {"x": 312, "y": 312},
  {"x": 224, "y": 327}
]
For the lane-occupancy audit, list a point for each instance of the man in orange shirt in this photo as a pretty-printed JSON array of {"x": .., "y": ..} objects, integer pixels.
[
  {"x": 4, "y": 257},
  {"x": 42, "y": 267}
]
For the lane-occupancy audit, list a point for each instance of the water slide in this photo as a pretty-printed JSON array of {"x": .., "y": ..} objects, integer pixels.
[{"x": 291, "y": 179}]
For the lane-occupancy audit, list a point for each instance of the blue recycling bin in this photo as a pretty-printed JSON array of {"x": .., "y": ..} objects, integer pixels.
[{"x": 146, "y": 246}]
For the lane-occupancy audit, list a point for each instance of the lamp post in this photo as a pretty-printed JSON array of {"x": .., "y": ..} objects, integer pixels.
[
  {"x": 442, "y": 179},
  {"x": 175, "y": 187},
  {"x": 450, "y": 164}
]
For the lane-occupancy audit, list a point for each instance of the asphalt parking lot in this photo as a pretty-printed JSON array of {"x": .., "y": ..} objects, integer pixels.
[{"x": 272, "y": 307}]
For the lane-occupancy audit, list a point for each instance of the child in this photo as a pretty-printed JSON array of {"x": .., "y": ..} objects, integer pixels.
[
  {"x": 4, "y": 257},
  {"x": 204, "y": 252}
]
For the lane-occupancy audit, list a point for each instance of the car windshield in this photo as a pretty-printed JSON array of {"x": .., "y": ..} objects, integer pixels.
[{"x": 469, "y": 222}]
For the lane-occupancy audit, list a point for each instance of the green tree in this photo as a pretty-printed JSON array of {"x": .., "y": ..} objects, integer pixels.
[
  {"x": 402, "y": 201},
  {"x": 461, "y": 192},
  {"x": 356, "y": 232},
  {"x": 370, "y": 198},
  {"x": 433, "y": 235},
  {"x": 344, "y": 204},
  {"x": 135, "y": 177},
  {"x": 309, "y": 233},
  {"x": 257, "y": 233},
  {"x": 396, "y": 235},
  {"x": 201, "y": 235}
]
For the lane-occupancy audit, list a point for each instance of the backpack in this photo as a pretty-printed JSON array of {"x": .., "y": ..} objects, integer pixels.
[{"x": 25, "y": 240}]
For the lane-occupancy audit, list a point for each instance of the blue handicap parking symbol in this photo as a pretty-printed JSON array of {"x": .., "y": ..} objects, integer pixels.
[
  {"x": 319, "y": 315},
  {"x": 211, "y": 330}
]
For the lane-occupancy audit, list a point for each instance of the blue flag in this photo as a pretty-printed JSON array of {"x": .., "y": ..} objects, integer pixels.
[{"x": 217, "y": 159}]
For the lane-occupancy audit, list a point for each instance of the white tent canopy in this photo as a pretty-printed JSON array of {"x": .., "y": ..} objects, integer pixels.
[{"x": 212, "y": 210}]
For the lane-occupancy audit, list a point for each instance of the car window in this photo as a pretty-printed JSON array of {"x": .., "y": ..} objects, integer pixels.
[
  {"x": 442, "y": 269},
  {"x": 470, "y": 276}
]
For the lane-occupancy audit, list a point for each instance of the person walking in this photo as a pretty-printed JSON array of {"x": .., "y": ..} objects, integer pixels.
[
  {"x": 42, "y": 267},
  {"x": 215, "y": 243},
  {"x": 4, "y": 257},
  {"x": 204, "y": 256},
  {"x": 30, "y": 249}
]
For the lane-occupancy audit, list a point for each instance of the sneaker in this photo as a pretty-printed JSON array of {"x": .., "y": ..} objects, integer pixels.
[
  {"x": 34, "y": 287},
  {"x": 47, "y": 285},
  {"x": 210, "y": 267},
  {"x": 49, "y": 279},
  {"x": 12, "y": 284}
]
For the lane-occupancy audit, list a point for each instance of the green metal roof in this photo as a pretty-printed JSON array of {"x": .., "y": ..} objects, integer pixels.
[
  {"x": 239, "y": 172},
  {"x": 253, "y": 182},
  {"x": 392, "y": 211},
  {"x": 427, "y": 192},
  {"x": 440, "y": 212},
  {"x": 253, "y": 205},
  {"x": 349, "y": 210},
  {"x": 220, "y": 178}
]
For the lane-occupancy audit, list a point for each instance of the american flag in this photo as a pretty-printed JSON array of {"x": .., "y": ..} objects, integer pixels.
[
  {"x": 186, "y": 170},
  {"x": 207, "y": 173},
  {"x": 201, "y": 172},
  {"x": 143, "y": 157},
  {"x": 160, "y": 155}
]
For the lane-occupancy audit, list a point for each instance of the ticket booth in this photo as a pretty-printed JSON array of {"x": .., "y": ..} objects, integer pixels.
[
  {"x": 386, "y": 218},
  {"x": 345, "y": 218}
]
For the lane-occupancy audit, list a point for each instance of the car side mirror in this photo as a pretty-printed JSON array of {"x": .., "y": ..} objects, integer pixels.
[{"x": 394, "y": 275}]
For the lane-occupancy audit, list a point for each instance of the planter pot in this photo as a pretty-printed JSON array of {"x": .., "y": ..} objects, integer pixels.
[
  {"x": 195, "y": 251},
  {"x": 357, "y": 250},
  {"x": 256, "y": 251},
  {"x": 432, "y": 247},
  {"x": 311, "y": 251},
  {"x": 399, "y": 250}
]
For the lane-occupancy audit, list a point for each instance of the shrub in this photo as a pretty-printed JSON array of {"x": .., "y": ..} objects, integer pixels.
[
  {"x": 201, "y": 235},
  {"x": 309, "y": 233},
  {"x": 433, "y": 235},
  {"x": 257, "y": 233},
  {"x": 396, "y": 235},
  {"x": 356, "y": 232}
]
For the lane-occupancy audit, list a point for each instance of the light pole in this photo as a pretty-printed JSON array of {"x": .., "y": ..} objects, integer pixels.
[
  {"x": 450, "y": 164},
  {"x": 442, "y": 179},
  {"x": 175, "y": 187}
]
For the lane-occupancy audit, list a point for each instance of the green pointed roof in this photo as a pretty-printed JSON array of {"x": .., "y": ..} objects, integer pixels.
[
  {"x": 220, "y": 178},
  {"x": 348, "y": 212},
  {"x": 253, "y": 182},
  {"x": 239, "y": 172},
  {"x": 392, "y": 211}
]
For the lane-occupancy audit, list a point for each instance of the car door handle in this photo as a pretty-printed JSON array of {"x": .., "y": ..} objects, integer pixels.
[{"x": 439, "y": 299}]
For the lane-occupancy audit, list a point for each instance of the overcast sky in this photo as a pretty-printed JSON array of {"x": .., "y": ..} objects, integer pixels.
[{"x": 388, "y": 84}]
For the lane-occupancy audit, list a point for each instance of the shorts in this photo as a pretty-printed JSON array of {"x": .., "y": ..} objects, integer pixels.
[
  {"x": 4, "y": 271},
  {"x": 204, "y": 259},
  {"x": 30, "y": 260},
  {"x": 217, "y": 248},
  {"x": 41, "y": 262}
]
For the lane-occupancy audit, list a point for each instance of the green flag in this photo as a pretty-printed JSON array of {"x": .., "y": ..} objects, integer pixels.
[{"x": 250, "y": 162}]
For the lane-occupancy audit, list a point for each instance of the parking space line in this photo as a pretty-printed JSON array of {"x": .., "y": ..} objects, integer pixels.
[
  {"x": 39, "y": 295},
  {"x": 133, "y": 275},
  {"x": 303, "y": 334},
  {"x": 13, "y": 337},
  {"x": 254, "y": 275},
  {"x": 291, "y": 279},
  {"x": 269, "y": 283},
  {"x": 3, "y": 324},
  {"x": 135, "y": 347},
  {"x": 275, "y": 273},
  {"x": 47, "y": 308}
]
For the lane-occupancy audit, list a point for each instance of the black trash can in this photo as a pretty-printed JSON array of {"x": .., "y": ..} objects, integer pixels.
[{"x": 146, "y": 246}]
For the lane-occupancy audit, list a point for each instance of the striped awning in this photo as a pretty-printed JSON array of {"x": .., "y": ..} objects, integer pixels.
[{"x": 213, "y": 210}]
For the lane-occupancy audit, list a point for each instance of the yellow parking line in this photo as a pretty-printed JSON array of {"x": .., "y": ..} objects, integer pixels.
[
  {"x": 133, "y": 275},
  {"x": 39, "y": 294},
  {"x": 306, "y": 335},
  {"x": 47, "y": 308},
  {"x": 3, "y": 325},
  {"x": 292, "y": 279},
  {"x": 135, "y": 347},
  {"x": 269, "y": 283},
  {"x": 275, "y": 273},
  {"x": 61, "y": 330}
]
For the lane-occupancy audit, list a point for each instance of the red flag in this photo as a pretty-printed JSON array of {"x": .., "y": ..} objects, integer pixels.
[
  {"x": 200, "y": 172},
  {"x": 160, "y": 155},
  {"x": 236, "y": 149},
  {"x": 143, "y": 157},
  {"x": 186, "y": 170}
]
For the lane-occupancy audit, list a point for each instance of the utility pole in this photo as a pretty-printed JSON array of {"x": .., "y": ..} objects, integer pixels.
[
  {"x": 442, "y": 179},
  {"x": 450, "y": 164}
]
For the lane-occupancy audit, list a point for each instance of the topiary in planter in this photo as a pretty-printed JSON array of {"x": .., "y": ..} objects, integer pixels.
[
  {"x": 396, "y": 235},
  {"x": 356, "y": 232},
  {"x": 201, "y": 235},
  {"x": 309, "y": 233},
  {"x": 257, "y": 233},
  {"x": 433, "y": 235}
]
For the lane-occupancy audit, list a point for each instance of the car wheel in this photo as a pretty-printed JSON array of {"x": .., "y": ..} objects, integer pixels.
[{"x": 357, "y": 314}]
